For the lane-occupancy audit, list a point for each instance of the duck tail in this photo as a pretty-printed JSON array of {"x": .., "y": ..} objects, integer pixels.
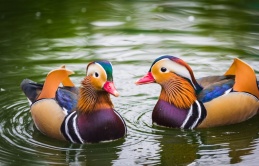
[{"x": 31, "y": 89}]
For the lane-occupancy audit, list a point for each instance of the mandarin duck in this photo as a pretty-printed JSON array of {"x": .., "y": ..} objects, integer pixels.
[
  {"x": 79, "y": 115},
  {"x": 187, "y": 103}
]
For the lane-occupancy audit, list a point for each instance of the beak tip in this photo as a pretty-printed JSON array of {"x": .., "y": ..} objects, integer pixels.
[
  {"x": 116, "y": 94},
  {"x": 146, "y": 79},
  {"x": 110, "y": 88}
]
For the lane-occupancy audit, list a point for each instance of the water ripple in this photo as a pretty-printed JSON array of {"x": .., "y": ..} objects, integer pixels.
[{"x": 207, "y": 35}]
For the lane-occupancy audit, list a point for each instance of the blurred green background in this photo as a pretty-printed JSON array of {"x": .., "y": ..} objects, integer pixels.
[{"x": 38, "y": 36}]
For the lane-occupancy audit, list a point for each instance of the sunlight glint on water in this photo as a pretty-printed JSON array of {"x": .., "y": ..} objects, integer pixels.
[{"x": 38, "y": 37}]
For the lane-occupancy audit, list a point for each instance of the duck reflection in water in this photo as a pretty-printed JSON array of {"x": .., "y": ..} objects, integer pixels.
[{"x": 204, "y": 146}]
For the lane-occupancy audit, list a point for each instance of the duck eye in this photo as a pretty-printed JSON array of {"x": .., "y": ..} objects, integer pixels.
[
  {"x": 96, "y": 74},
  {"x": 163, "y": 69}
]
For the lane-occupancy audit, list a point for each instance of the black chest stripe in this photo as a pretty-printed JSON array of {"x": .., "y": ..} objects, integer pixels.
[
  {"x": 69, "y": 129},
  {"x": 196, "y": 114}
]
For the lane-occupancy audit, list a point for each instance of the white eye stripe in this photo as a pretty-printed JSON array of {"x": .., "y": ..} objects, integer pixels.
[
  {"x": 180, "y": 70},
  {"x": 176, "y": 68},
  {"x": 92, "y": 69},
  {"x": 96, "y": 68}
]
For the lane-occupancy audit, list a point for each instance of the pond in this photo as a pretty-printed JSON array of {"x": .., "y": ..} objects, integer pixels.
[{"x": 36, "y": 37}]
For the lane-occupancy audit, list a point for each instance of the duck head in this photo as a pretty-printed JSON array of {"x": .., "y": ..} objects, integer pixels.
[
  {"x": 96, "y": 87},
  {"x": 179, "y": 86},
  {"x": 101, "y": 78}
]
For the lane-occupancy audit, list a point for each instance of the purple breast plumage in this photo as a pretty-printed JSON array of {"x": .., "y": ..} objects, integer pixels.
[
  {"x": 96, "y": 126},
  {"x": 166, "y": 114}
]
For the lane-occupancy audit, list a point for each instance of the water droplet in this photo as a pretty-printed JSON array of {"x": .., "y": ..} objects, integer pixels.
[
  {"x": 83, "y": 10},
  {"x": 191, "y": 18},
  {"x": 38, "y": 14},
  {"x": 73, "y": 21},
  {"x": 49, "y": 21},
  {"x": 128, "y": 18}
]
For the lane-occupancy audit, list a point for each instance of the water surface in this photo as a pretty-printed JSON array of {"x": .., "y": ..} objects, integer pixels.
[{"x": 36, "y": 37}]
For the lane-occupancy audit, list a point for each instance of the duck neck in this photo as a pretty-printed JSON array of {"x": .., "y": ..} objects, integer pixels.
[
  {"x": 179, "y": 92},
  {"x": 91, "y": 100}
]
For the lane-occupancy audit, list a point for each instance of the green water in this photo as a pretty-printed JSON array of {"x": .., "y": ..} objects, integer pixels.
[{"x": 36, "y": 37}]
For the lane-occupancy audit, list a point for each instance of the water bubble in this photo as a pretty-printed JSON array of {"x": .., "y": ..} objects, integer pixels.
[
  {"x": 128, "y": 18},
  {"x": 83, "y": 10},
  {"x": 38, "y": 14},
  {"x": 191, "y": 18},
  {"x": 49, "y": 21},
  {"x": 73, "y": 21}
]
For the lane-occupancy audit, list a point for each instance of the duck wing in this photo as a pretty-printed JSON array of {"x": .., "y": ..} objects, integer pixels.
[
  {"x": 65, "y": 96},
  {"x": 215, "y": 89},
  {"x": 207, "y": 81}
]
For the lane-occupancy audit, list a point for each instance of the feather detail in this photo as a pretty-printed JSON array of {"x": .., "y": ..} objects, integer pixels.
[
  {"x": 90, "y": 99},
  {"x": 215, "y": 90},
  {"x": 178, "y": 91},
  {"x": 245, "y": 78}
]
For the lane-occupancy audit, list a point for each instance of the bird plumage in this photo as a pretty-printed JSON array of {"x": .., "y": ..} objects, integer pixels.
[
  {"x": 66, "y": 96},
  {"x": 79, "y": 115},
  {"x": 216, "y": 89},
  {"x": 185, "y": 102}
]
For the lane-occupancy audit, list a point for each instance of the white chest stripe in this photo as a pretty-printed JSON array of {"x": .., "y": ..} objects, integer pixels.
[
  {"x": 196, "y": 114},
  {"x": 199, "y": 115},
  {"x": 76, "y": 130},
  {"x": 187, "y": 118},
  {"x": 66, "y": 127}
]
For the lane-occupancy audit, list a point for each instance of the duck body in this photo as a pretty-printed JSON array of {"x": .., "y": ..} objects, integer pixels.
[
  {"x": 187, "y": 103},
  {"x": 78, "y": 115}
]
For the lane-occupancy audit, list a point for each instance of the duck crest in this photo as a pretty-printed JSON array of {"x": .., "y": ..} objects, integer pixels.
[
  {"x": 107, "y": 66},
  {"x": 90, "y": 99},
  {"x": 179, "y": 92}
]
